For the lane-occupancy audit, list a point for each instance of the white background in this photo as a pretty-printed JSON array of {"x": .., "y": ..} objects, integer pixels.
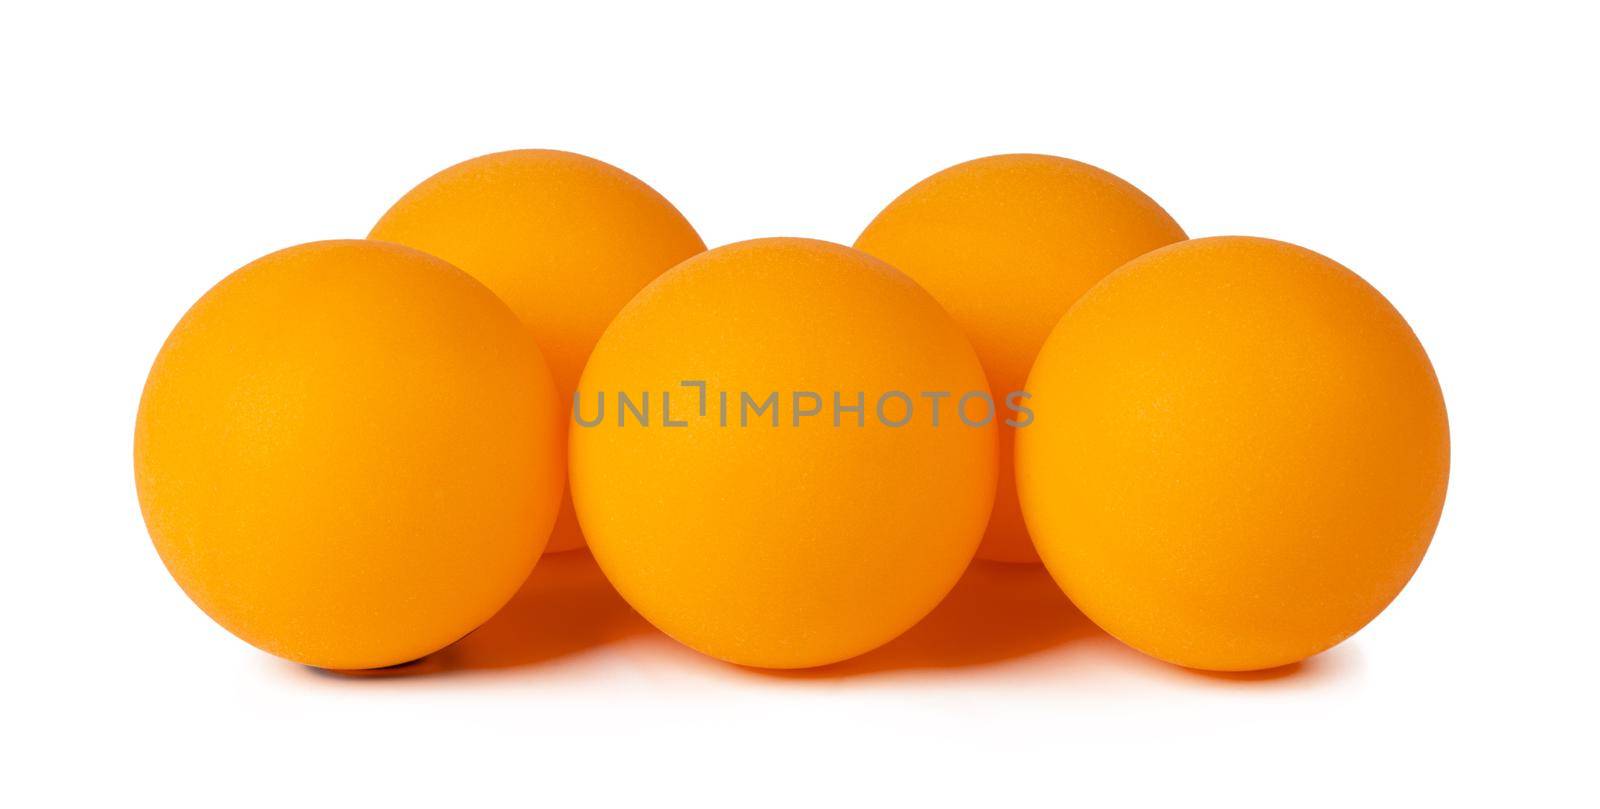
[{"x": 1447, "y": 153}]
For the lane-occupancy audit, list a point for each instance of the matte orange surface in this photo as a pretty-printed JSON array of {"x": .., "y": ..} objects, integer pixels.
[
  {"x": 782, "y": 546},
  {"x": 1007, "y": 244},
  {"x": 348, "y": 453},
  {"x": 564, "y": 239},
  {"x": 1239, "y": 454}
]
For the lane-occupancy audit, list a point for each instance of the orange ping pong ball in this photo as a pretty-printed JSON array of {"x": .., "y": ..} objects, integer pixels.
[
  {"x": 564, "y": 239},
  {"x": 789, "y": 498},
  {"x": 1007, "y": 244},
  {"x": 349, "y": 454},
  {"x": 1238, "y": 456}
]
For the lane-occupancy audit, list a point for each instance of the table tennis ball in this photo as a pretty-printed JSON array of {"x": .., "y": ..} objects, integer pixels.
[
  {"x": 1238, "y": 455},
  {"x": 348, "y": 454},
  {"x": 771, "y": 527},
  {"x": 564, "y": 239},
  {"x": 1007, "y": 244}
]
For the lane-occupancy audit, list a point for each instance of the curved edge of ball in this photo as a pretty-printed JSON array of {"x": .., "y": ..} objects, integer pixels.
[
  {"x": 1426, "y": 528},
  {"x": 139, "y": 451}
]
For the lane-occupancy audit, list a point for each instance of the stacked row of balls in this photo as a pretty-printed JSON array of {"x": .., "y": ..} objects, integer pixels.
[{"x": 1231, "y": 453}]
